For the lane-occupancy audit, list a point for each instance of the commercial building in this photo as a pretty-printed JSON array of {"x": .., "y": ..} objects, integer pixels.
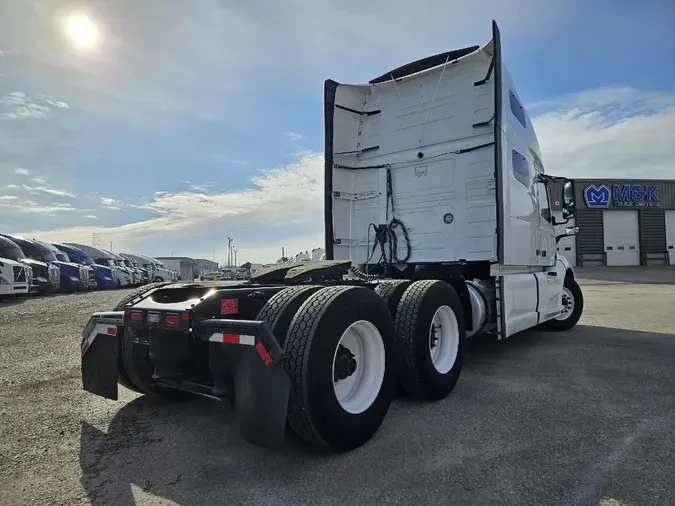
[
  {"x": 189, "y": 268},
  {"x": 621, "y": 222}
]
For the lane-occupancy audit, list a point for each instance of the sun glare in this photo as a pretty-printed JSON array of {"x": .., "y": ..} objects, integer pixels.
[{"x": 83, "y": 33}]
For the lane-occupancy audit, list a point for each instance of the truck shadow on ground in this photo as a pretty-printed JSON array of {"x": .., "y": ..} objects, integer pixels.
[{"x": 506, "y": 408}]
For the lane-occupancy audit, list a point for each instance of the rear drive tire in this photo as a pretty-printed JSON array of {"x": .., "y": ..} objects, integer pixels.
[
  {"x": 344, "y": 414},
  {"x": 431, "y": 336},
  {"x": 391, "y": 292},
  {"x": 573, "y": 300},
  {"x": 123, "y": 377},
  {"x": 280, "y": 309},
  {"x": 135, "y": 359}
]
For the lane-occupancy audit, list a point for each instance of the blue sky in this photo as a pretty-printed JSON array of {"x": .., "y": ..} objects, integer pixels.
[{"x": 167, "y": 126}]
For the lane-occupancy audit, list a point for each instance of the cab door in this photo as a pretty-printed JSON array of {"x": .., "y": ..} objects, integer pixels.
[{"x": 546, "y": 235}]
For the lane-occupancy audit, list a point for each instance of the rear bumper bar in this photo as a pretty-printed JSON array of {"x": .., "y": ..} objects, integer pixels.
[{"x": 242, "y": 353}]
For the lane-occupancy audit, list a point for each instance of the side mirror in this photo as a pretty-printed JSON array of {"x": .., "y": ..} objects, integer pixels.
[
  {"x": 568, "y": 200},
  {"x": 568, "y": 231}
]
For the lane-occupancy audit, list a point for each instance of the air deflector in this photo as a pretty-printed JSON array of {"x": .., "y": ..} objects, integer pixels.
[{"x": 424, "y": 64}]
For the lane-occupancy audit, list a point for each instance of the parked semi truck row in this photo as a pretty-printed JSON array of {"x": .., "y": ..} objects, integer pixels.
[
  {"x": 438, "y": 228},
  {"x": 34, "y": 266}
]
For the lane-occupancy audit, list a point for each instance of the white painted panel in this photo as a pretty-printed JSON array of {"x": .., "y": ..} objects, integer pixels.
[
  {"x": 621, "y": 237},
  {"x": 670, "y": 236},
  {"x": 550, "y": 284},
  {"x": 444, "y": 195},
  {"x": 567, "y": 246},
  {"x": 520, "y": 302}
]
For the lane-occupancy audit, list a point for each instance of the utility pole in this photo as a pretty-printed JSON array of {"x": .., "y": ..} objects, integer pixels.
[
  {"x": 235, "y": 257},
  {"x": 229, "y": 251},
  {"x": 95, "y": 239},
  {"x": 111, "y": 243}
]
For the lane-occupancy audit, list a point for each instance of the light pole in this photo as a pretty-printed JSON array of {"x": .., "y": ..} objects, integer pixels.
[
  {"x": 235, "y": 257},
  {"x": 229, "y": 251}
]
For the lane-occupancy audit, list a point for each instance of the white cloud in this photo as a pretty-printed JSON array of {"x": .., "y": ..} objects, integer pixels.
[
  {"x": 111, "y": 204},
  {"x": 31, "y": 207},
  {"x": 288, "y": 196},
  {"x": 7, "y": 197},
  {"x": 39, "y": 180},
  {"x": 294, "y": 136},
  {"x": 608, "y": 132},
  {"x": 21, "y": 171},
  {"x": 51, "y": 191},
  {"x": 19, "y": 105},
  {"x": 90, "y": 216}
]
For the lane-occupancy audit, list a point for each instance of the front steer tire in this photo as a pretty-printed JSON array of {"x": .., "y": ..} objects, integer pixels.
[
  {"x": 418, "y": 376},
  {"x": 571, "y": 289},
  {"x": 314, "y": 413}
]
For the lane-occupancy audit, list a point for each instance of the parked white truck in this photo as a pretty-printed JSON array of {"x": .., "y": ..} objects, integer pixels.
[
  {"x": 438, "y": 227},
  {"x": 158, "y": 272},
  {"x": 15, "y": 276}
]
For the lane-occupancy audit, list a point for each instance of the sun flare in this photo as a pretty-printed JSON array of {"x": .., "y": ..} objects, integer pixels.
[{"x": 83, "y": 33}]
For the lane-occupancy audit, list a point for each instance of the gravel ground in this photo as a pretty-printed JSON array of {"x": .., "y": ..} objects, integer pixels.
[{"x": 583, "y": 417}]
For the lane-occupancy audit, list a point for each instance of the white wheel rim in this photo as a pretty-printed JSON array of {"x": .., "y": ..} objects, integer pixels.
[
  {"x": 357, "y": 392},
  {"x": 568, "y": 304},
  {"x": 444, "y": 339}
]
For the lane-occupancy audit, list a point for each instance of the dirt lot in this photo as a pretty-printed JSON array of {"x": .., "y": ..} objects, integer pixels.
[{"x": 584, "y": 417}]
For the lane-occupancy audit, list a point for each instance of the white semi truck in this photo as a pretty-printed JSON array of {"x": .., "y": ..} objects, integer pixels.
[
  {"x": 158, "y": 273},
  {"x": 438, "y": 228},
  {"x": 15, "y": 276}
]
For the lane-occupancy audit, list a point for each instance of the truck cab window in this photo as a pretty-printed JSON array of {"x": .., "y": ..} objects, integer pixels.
[
  {"x": 544, "y": 204},
  {"x": 517, "y": 109},
  {"x": 521, "y": 168}
]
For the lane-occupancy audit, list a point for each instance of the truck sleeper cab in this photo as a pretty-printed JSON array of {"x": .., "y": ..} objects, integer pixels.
[
  {"x": 46, "y": 274},
  {"x": 102, "y": 275},
  {"x": 15, "y": 276},
  {"x": 101, "y": 257},
  {"x": 74, "y": 277},
  {"x": 437, "y": 229},
  {"x": 129, "y": 272},
  {"x": 158, "y": 273}
]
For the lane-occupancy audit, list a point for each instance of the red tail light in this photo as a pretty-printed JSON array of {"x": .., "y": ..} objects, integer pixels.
[
  {"x": 127, "y": 310},
  {"x": 185, "y": 315},
  {"x": 136, "y": 316},
  {"x": 172, "y": 319}
]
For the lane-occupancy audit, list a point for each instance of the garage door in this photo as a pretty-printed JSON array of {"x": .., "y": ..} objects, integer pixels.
[
  {"x": 621, "y": 237},
  {"x": 567, "y": 246},
  {"x": 670, "y": 235}
]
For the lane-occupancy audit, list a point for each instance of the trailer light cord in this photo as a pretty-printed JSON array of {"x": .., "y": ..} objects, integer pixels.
[{"x": 385, "y": 234}]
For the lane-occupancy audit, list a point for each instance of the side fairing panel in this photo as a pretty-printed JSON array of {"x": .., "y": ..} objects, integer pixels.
[{"x": 519, "y": 157}]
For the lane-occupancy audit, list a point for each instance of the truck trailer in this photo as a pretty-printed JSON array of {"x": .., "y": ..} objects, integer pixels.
[{"x": 438, "y": 228}]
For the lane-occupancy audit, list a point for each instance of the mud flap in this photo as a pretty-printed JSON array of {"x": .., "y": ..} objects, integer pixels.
[
  {"x": 261, "y": 385},
  {"x": 261, "y": 395},
  {"x": 99, "y": 366}
]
